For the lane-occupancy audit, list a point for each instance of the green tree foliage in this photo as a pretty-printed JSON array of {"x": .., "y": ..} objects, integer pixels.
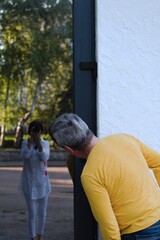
[{"x": 35, "y": 60}]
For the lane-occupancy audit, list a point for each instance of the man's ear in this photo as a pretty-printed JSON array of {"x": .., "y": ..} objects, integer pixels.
[{"x": 69, "y": 150}]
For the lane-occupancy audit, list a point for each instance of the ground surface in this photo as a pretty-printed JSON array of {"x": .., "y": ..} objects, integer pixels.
[{"x": 13, "y": 215}]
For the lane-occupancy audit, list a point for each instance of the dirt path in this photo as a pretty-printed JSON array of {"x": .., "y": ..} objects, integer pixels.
[{"x": 13, "y": 216}]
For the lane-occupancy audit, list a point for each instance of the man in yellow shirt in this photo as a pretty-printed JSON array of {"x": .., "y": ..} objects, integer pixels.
[{"x": 123, "y": 195}]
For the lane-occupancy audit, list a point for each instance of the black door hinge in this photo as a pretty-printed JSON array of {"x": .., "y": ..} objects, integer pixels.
[{"x": 90, "y": 66}]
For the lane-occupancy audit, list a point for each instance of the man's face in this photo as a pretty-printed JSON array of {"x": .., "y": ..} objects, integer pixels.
[{"x": 74, "y": 152}]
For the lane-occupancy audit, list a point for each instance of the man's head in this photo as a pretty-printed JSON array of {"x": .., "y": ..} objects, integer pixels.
[{"x": 69, "y": 130}]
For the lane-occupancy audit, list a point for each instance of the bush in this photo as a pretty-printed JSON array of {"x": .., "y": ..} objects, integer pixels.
[{"x": 8, "y": 143}]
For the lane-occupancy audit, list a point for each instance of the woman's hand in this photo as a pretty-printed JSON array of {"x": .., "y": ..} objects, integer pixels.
[
  {"x": 37, "y": 139},
  {"x": 30, "y": 142}
]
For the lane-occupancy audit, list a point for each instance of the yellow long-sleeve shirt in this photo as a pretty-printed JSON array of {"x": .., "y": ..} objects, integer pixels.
[{"x": 122, "y": 193}]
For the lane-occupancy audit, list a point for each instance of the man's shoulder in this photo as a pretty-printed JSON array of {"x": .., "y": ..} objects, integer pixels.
[{"x": 115, "y": 136}]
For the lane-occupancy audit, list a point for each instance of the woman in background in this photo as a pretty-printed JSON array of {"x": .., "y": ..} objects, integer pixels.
[{"x": 34, "y": 182}]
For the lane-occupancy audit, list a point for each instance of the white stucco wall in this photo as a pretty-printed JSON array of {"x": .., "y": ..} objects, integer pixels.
[{"x": 128, "y": 56}]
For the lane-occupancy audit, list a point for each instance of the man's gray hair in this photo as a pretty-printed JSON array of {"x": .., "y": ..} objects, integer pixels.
[{"x": 70, "y": 130}]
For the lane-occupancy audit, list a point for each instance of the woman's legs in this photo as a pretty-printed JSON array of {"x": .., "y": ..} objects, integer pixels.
[
  {"x": 32, "y": 214},
  {"x": 37, "y": 209},
  {"x": 41, "y": 214}
]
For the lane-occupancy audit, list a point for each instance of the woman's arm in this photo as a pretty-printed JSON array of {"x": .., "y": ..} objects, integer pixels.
[
  {"x": 25, "y": 149},
  {"x": 44, "y": 152}
]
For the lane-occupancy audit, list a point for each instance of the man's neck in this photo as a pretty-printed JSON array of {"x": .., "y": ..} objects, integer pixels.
[{"x": 88, "y": 149}]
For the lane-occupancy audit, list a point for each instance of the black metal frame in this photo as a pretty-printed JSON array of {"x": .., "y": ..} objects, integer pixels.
[{"x": 84, "y": 104}]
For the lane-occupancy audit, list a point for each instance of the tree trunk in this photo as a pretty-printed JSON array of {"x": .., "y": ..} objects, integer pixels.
[
  {"x": 2, "y": 135},
  {"x": 23, "y": 120},
  {"x": 4, "y": 113},
  {"x": 19, "y": 130}
]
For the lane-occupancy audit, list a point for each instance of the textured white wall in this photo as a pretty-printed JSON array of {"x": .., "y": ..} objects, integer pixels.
[{"x": 128, "y": 55}]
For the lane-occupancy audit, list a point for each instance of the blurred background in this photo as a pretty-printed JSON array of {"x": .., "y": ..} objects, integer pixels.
[{"x": 35, "y": 65}]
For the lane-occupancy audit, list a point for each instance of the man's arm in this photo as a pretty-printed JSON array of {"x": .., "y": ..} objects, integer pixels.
[
  {"x": 152, "y": 158},
  {"x": 101, "y": 208}
]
